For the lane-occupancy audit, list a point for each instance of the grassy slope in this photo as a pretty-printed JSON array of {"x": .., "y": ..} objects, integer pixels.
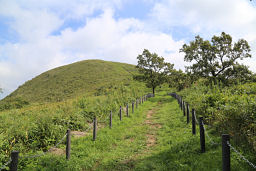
[
  {"x": 125, "y": 146},
  {"x": 72, "y": 80},
  {"x": 39, "y": 125}
]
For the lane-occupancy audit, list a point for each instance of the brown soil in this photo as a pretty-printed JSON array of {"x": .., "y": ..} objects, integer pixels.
[
  {"x": 151, "y": 140},
  {"x": 78, "y": 134},
  {"x": 57, "y": 151},
  {"x": 151, "y": 137}
]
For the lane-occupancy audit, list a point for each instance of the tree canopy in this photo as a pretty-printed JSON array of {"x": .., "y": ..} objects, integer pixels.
[
  {"x": 178, "y": 79},
  {"x": 217, "y": 59},
  {"x": 153, "y": 69}
]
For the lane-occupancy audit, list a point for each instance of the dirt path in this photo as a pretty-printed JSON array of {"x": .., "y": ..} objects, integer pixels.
[
  {"x": 151, "y": 138},
  {"x": 75, "y": 134},
  {"x": 151, "y": 135}
]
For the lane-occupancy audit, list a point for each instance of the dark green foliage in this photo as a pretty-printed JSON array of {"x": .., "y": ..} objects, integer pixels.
[
  {"x": 238, "y": 74},
  {"x": 153, "y": 69},
  {"x": 15, "y": 103},
  {"x": 218, "y": 59},
  {"x": 229, "y": 109},
  {"x": 179, "y": 80}
]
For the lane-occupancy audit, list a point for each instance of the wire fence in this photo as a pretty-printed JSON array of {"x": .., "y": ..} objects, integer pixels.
[
  {"x": 66, "y": 135},
  {"x": 180, "y": 101},
  {"x": 50, "y": 149},
  {"x": 43, "y": 153},
  {"x": 206, "y": 133},
  {"x": 196, "y": 119},
  {"x": 240, "y": 155}
]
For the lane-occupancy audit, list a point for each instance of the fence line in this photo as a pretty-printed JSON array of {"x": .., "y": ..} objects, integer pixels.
[
  {"x": 240, "y": 155},
  {"x": 212, "y": 142},
  {"x": 94, "y": 124},
  {"x": 225, "y": 151}
]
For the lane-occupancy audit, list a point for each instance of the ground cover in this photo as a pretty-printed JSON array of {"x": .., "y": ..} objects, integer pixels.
[{"x": 155, "y": 137}]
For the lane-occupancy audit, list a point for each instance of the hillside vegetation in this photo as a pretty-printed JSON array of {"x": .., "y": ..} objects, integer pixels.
[
  {"x": 69, "y": 81},
  {"x": 227, "y": 109},
  {"x": 29, "y": 124},
  {"x": 154, "y": 137}
]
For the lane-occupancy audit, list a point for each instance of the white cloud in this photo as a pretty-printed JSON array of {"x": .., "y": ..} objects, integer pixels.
[
  {"x": 102, "y": 37},
  {"x": 117, "y": 40},
  {"x": 105, "y": 37},
  {"x": 211, "y": 17},
  {"x": 211, "y": 14}
]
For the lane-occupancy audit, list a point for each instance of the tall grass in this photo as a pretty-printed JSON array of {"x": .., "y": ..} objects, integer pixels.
[
  {"x": 35, "y": 128},
  {"x": 228, "y": 109}
]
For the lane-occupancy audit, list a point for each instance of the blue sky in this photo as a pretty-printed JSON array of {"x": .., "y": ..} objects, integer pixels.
[{"x": 36, "y": 36}]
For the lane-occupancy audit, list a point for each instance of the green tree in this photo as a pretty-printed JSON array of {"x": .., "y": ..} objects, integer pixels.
[
  {"x": 238, "y": 73},
  {"x": 217, "y": 59},
  {"x": 153, "y": 69},
  {"x": 179, "y": 80}
]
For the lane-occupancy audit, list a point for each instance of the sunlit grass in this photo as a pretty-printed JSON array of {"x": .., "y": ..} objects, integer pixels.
[{"x": 124, "y": 147}]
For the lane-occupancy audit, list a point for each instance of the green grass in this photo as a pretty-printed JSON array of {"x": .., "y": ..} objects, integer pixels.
[
  {"x": 111, "y": 147},
  {"x": 95, "y": 87},
  {"x": 73, "y": 80},
  {"x": 124, "y": 147}
]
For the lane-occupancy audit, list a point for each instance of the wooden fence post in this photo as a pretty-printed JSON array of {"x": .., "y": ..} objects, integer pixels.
[
  {"x": 184, "y": 108},
  {"x": 94, "y": 128},
  {"x": 120, "y": 113},
  {"x": 187, "y": 113},
  {"x": 202, "y": 136},
  {"x": 15, "y": 161},
  {"x": 193, "y": 122},
  {"x": 110, "y": 120},
  {"x": 68, "y": 145},
  {"x": 132, "y": 107},
  {"x": 181, "y": 101},
  {"x": 142, "y": 99},
  {"x": 127, "y": 110},
  {"x": 225, "y": 153}
]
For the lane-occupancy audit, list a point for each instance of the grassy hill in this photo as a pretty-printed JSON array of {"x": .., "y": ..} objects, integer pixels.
[
  {"x": 37, "y": 114},
  {"x": 65, "y": 82}
]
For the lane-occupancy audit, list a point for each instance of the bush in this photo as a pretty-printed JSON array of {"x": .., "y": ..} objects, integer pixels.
[{"x": 228, "y": 109}]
